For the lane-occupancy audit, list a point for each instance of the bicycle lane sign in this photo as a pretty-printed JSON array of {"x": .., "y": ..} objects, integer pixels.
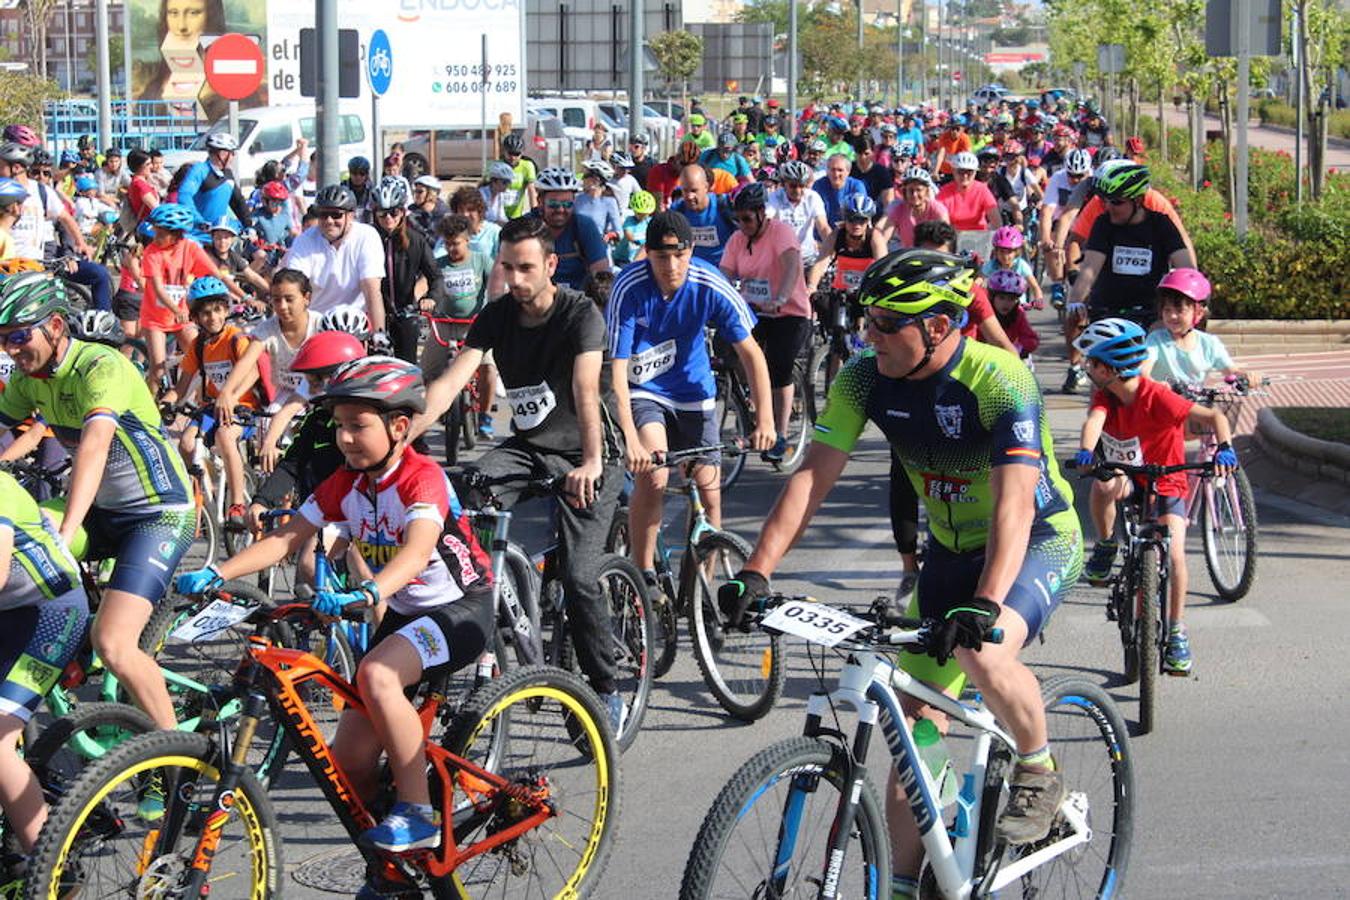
[{"x": 379, "y": 62}]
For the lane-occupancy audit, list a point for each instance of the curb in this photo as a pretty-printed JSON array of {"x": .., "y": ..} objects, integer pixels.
[
  {"x": 1318, "y": 458},
  {"x": 1339, "y": 328},
  {"x": 1332, "y": 141}
]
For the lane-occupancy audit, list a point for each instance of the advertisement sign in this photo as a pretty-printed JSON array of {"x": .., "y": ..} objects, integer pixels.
[{"x": 441, "y": 80}]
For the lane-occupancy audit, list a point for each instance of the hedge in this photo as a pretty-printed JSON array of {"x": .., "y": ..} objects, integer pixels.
[{"x": 1277, "y": 112}]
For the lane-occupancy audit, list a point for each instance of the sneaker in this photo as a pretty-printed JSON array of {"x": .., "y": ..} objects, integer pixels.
[
  {"x": 1177, "y": 656},
  {"x": 404, "y": 829},
  {"x": 618, "y": 711},
  {"x": 1057, "y": 294},
  {"x": 150, "y": 806},
  {"x": 485, "y": 429},
  {"x": 1097, "y": 570},
  {"x": 1072, "y": 379},
  {"x": 1034, "y": 796},
  {"x": 776, "y": 453},
  {"x": 237, "y": 511},
  {"x": 908, "y": 581}
]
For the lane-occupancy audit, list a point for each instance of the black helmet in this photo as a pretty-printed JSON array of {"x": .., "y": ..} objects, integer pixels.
[
  {"x": 751, "y": 197},
  {"x": 513, "y": 143},
  {"x": 386, "y": 383},
  {"x": 335, "y": 196}
]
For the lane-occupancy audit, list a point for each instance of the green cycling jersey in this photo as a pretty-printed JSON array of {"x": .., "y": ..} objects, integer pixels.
[{"x": 40, "y": 567}]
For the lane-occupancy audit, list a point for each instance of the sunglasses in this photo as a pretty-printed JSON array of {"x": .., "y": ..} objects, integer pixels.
[
  {"x": 388, "y": 213},
  {"x": 747, "y": 218},
  {"x": 558, "y": 204},
  {"x": 1117, "y": 202},
  {"x": 19, "y": 337},
  {"x": 330, "y": 213},
  {"x": 888, "y": 324}
]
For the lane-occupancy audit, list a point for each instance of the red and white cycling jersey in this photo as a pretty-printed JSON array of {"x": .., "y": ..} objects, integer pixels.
[{"x": 415, "y": 488}]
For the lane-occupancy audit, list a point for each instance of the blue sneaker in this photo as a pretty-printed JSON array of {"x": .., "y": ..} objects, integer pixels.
[
  {"x": 485, "y": 429},
  {"x": 1057, "y": 295},
  {"x": 776, "y": 453},
  {"x": 404, "y": 829},
  {"x": 1177, "y": 656},
  {"x": 618, "y": 711}
]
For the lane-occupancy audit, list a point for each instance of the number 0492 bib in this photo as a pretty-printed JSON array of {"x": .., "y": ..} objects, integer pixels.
[{"x": 530, "y": 405}]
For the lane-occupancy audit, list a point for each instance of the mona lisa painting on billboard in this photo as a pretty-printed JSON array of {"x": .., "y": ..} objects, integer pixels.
[{"x": 169, "y": 40}]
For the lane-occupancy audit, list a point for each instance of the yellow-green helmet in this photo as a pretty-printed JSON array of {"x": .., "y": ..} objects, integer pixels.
[
  {"x": 642, "y": 202},
  {"x": 914, "y": 282}
]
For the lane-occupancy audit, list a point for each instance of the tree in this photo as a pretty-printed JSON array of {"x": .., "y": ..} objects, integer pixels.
[
  {"x": 22, "y": 97},
  {"x": 678, "y": 56},
  {"x": 36, "y": 12},
  {"x": 115, "y": 46}
]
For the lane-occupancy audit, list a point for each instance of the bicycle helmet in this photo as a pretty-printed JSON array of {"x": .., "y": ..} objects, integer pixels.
[
  {"x": 1122, "y": 179},
  {"x": 227, "y": 224},
  {"x": 795, "y": 171},
  {"x": 32, "y": 297},
  {"x": 1008, "y": 238},
  {"x": 335, "y": 196},
  {"x": 41, "y": 157},
  {"x": 988, "y": 153},
  {"x": 513, "y": 143},
  {"x": 86, "y": 183},
  {"x": 621, "y": 160},
  {"x": 12, "y": 192},
  {"x": 1190, "y": 283},
  {"x": 22, "y": 134},
  {"x": 221, "y": 140},
  {"x": 16, "y": 154},
  {"x": 1013, "y": 148},
  {"x": 599, "y": 168},
  {"x": 817, "y": 146},
  {"x": 69, "y": 158},
  {"x": 1117, "y": 342},
  {"x": 1061, "y": 131},
  {"x": 500, "y": 171},
  {"x": 965, "y": 161},
  {"x": 347, "y": 319},
  {"x": 750, "y": 198},
  {"x": 557, "y": 178},
  {"x": 1078, "y": 162},
  {"x": 17, "y": 265},
  {"x": 1106, "y": 154},
  {"x": 642, "y": 202},
  {"x": 97, "y": 325},
  {"x": 919, "y": 174},
  {"x": 388, "y": 384},
  {"x": 326, "y": 350},
  {"x": 859, "y": 207},
  {"x": 275, "y": 190},
  {"x": 390, "y": 193},
  {"x": 915, "y": 282},
  {"x": 358, "y": 165},
  {"x": 1007, "y": 281},
  {"x": 207, "y": 288},
  {"x": 172, "y": 217}
]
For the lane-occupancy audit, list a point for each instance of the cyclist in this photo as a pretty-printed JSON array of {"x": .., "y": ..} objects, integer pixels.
[
  {"x": 225, "y": 252},
  {"x": 209, "y": 189},
  {"x": 970, "y": 204},
  {"x": 483, "y": 235},
  {"x": 855, "y": 238},
  {"x": 521, "y": 190},
  {"x": 1179, "y": 352},
  {"x": 579, "y": 245},
  {"x": 1077, "y": 166},
  {"x": 876, "y": 179},
  {"x": 403, "y": 518},
  {"x": 12, "y": 197},
  {"x": 128, "y": 487},
  {"x": 548, "y": 341},
  {"x": 359, "y": 183},
  {"x": 428, "y": 208},
  {"x": 596, "y": 202},
  {"x": 1088, "y": 204},
  {"x": 1135, "y": 420},
  {"x": 797, "y": 204},
  {"x": 497, "y": 192},
  {"x": 724, "y": 157},
  {"x": 470, "y": 278},
  {"x": 632, "y": 242},
  {"x": 837, "y": 186},
  {"x": 917, "y": 204},
  {"x": 275, "y": 221},
  {"x": 1004, "y": 544},
  {"x": 343, "y": 258},
  {"x": 663, "y": 380},
  {"x": 1006, "y": 289},
  {"x": 1008, "y": 257},
  {"x": 709, "y": 214},
  {"x": 764, "y": 258},
  {"x": 408, "y": 260}
]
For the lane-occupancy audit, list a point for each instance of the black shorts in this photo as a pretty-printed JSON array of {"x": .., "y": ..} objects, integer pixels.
[
  {"x": 447, "y": 637},
  {"x": 685, "y": 428},
  {"x": 782, "y": 339},
  {"x": 127, "y": 306}
]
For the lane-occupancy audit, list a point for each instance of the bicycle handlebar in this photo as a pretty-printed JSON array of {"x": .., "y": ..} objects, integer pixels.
[
  {"x": 1105, "y": 471},
  {"x": 535, "y": 485},
  {"x": 676, "y": 457},
  {"x": 912, "y": 632}
]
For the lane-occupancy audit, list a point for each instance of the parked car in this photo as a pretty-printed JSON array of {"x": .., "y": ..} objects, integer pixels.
[
  {"x": 989, "y": 94},
  {"x": 459, "y": 151},
  {"x": 661, "y": 129},
  {"x": 579, "y": 115}
]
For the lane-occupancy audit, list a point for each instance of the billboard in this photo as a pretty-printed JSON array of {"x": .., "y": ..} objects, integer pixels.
[{"x": 435, "y": 47}]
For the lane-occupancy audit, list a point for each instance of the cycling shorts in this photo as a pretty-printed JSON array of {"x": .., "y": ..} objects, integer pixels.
[
  {"x": 127, "y": 306},
  {"x": 782, "y": 339},
  {"x": 947, "y": 580},
  {"x": 36, "y": 643},
  {"x": 685, "y": 428},
  {"x": 447, "y": 637},
  {"x": 147, "y": 547}
]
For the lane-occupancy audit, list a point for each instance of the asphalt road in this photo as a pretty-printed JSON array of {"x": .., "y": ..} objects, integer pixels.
[
  {"x": 1242, "y": 788},
  {"x": 1338, "y": 152}
]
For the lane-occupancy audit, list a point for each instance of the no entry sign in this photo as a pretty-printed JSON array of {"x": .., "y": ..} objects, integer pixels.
[{"x": 234, "y": 66}]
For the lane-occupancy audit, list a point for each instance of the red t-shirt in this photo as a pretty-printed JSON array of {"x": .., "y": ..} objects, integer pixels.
[
  {"x": 663, "y": 179},
  {"x": 967, "y": 210},
  {"x": 137, "y": 191},
  {"x": 980, "y": 309},
  {"x": 176, "y": 265},
  {"x": 1147, "y": 431}
]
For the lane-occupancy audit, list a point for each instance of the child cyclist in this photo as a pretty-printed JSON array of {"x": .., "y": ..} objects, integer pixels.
[
  {"x": 1139, "y": 421},
  {"x": 1006, "y": 288},
  {"x": 1007, "y": 257},
  {"x": 398, "y": 510},
  {"x": 1177, "y": 352},
  {"x": 211, "y": 357}
]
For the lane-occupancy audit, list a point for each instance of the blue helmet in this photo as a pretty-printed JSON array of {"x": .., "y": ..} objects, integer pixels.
[
  {"x": 173, "y": 216},
  {"x": 1117, "y": 342},
  {"x": 12, "y": 192},
  {"x": 86, "y": 182},
  {"x": 859, "y": 206},
  {"x": 208, "y": 287},
  {"x": 358, "y": 164}
]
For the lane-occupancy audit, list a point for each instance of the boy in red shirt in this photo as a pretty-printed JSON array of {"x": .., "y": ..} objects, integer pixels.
[{"x": 1140, "y": 421}]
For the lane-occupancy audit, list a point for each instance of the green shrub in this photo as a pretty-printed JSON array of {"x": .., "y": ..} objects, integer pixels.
[
  {"x": 1277, "y": 112},
  {"x": 1178, "y": 139}
]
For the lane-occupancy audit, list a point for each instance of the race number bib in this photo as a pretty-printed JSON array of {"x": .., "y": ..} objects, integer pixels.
[
  {"x": 653, "y": 361},
  {"x": 816, "y": 622},
  {"x": 216, "y": 616},
  {"x": 510, "y": 197},
  {"x": 460, "y": 282},
  {"x": 6, "y": 367},
  {"x": 705, "y": 235},
  {"x": 1126, "y": 451},
  {"x": 218, "y": 372},
  {"x": 177, "y": 293},
  {"x": 1131, "y": 260},
  {"x": 531, "y": 405},
  {"x": 756, "y": 292}
]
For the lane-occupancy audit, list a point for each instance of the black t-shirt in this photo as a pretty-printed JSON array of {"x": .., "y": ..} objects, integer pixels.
[
  {"x": 1052, "y": 162},
  {"x": 536, "y": 365},
  {"x": 641, "y": 169},
  {"x": 999, "y": 187},
  {"x": 876, "y": 180},
  {"x": 1136, "y": 260}
]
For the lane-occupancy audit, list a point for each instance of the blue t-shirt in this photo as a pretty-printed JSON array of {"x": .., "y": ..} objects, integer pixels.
[
  {"x": 1173, "y": 364},
  {"x": 274, "y": 229},
  {"x": 579, "y": 246},
  {"x": 835, "y": 200},
  {"x": 712, "y": 228},
  {"x": 625, "y": 250},
  {"x": 735, "y": 163},
  {"x": 663, "y": 339},
  {"x": 603, "y": 211},
  {"x": 914, "y": 136}
]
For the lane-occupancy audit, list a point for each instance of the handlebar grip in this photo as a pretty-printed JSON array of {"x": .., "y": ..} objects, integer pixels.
[{"x": 994, "y": 636}]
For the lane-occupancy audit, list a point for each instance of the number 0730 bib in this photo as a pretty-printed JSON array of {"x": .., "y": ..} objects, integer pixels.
[{"x": 530, "y": 405}]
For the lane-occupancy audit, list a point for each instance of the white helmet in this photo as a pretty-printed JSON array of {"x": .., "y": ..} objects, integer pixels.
[
  {"x": 919, "y": 174},
  {"x": 345, "y": 318},
  {"x": 501, "y": 171},
  {"x": 221, "y": 140},
  {"x": 556, "y": 178},
  {"x": 1078, "y": 162},
  {"x": 98, "y": 325},
  {"x": 601, "y": 168},
  {"x": 965, "y": 160}
]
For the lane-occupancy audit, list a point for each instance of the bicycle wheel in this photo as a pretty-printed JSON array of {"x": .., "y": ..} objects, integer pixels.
[
  {"x": 543, "y": 728},
  {"x": 1091, "y": 744},
  {"x": 733, "y": 427},
  {"x": 665, "y": 628},
  {"x": 634, "y": 641},
  {"x": 768, "y": 832},
  {"x": 801, "y": 417},
  {"x": 1147, "y": 589},
  {"x": 468, "y": 422},
  {"x": 744, "y": 671},
  {"x": 68, "y": 744},
  {"x": 103, "y": 836},
  {"x": 520, "y": 587},
  {"x": 236, "y": 533},
  {"x": 1228, "y": 531}
]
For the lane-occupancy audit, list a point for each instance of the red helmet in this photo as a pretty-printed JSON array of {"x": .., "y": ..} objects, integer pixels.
[
  {"x": 1134, "y": 147},
  {"x": 275, "y": 190},
  {"x": 327, "y": 350},
  {"x": 386, "y": 383}
]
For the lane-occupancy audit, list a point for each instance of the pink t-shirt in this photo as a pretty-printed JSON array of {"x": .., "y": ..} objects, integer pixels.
[
  {"x": 760, "y": 270},
  {"x": 969, "y": 209},
  {"x": 902, "y": 218}
]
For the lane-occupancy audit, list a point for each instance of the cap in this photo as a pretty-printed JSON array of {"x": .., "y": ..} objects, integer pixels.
[
  {"x": 772, "y": 103},
  {"x": 696, "y": 119},
  {"x": 669, "y": 230}
]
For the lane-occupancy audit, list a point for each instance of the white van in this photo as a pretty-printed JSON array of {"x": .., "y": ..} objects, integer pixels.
[
  {"x": 579, "y": 115},
  {"x": 270, "y": 132}
]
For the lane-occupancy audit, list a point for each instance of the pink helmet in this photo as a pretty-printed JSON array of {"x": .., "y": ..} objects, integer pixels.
[
  {"x": 1006, "y": 281},
  {"x": 1187, "y": 282},
  {"x": 1008, "y": 238}
]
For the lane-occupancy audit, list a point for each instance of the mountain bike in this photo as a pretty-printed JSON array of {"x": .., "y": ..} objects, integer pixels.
[
  {"x": 802, "y": 817},
  {"x": 461, "y": 419},
  {"x": 206, "y": 472},
  {"x": 735, "y": 411},
  {"x": 526, "y": 781},
  {"x": 744, "y": 671}
]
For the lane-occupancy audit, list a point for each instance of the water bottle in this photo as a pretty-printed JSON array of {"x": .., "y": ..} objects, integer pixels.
[{"x": 934, "y": 754}]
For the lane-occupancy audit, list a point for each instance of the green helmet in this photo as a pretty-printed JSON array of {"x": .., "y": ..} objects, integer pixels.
[
  {"x": 1122, "y": 179},
  {"x": 913, "y": 282},
  {"x": 31, "y": 297}
]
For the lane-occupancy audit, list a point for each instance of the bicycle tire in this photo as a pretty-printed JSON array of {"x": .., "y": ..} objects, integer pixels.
[
  {"x": 1147, "y": 637},
  {"x": 236, "y": 534},
  {"x": 451, "y": 424},
  {"x": 665, "y": 626},
  {"x": 521, "y": 579},
  {"x": 468, "y": 421},
  {"x": 1091, "y": 744},
  {"x": 751, "y": 793},
  {"x": 80, "y": 820},
  {"x": 57, "y": 759},
  {"x": 1231, "y": 563},
  {"x": 631, "y": 622},
  {"x": 744, "y": 671},
  {"x": 801, "y": 418},
  {"x": 733, "y": 427},
  {"x": 1123, "y": 600},
  {"x": 509, "y": 726}
]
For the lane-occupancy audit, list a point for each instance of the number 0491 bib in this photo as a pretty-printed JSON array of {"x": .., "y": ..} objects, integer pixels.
[{"x": 530, "y": 405}]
